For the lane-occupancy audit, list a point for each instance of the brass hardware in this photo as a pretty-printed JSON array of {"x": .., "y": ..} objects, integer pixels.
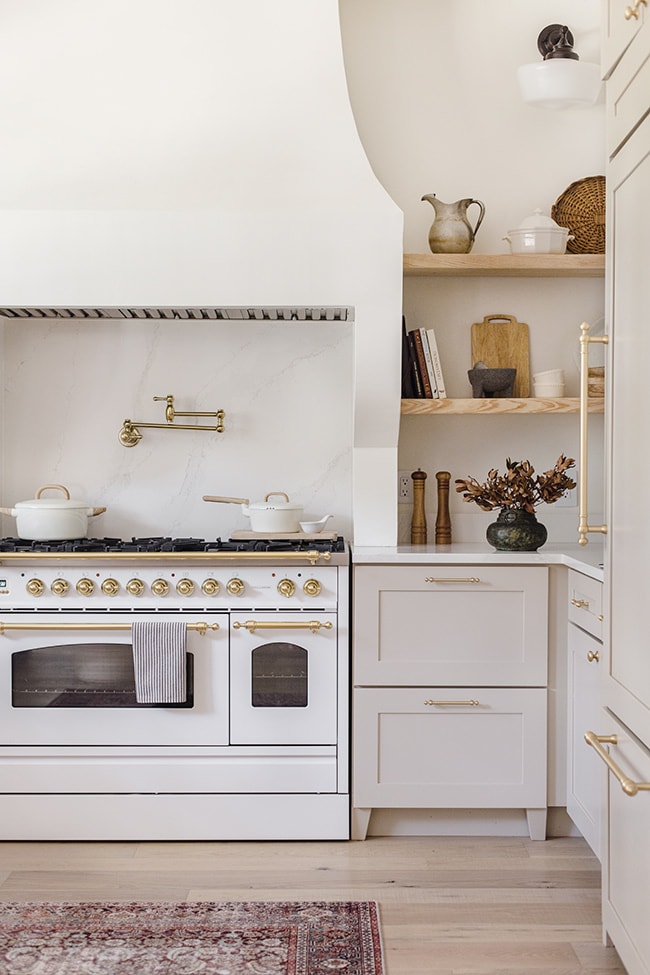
[
  {"x": 580, "y": 603},
  {"x": 633, "y": 12},
  {"x": 60, "y": 587},
  {"x": 312, "y": 587},
  {"x": 110, "y": 587},
  {"x": 286, "y": 587},
  {"x": 35, "y": 587},
  {"x": 210, "y": 587},
  {"x": 130, "y": 435},
  {"x": 85, "y": 587},
  {"x": 160, "y": 587},
  {"x": 584, "y": 528},
  {"x": 135, "y": 587},
  {"x": 313, "y": 625},
  {"x": 312, "y": 556},
  {"x": 453, "y": 704},
  {"x": 593, "y": 655},
  {"x": 472, "y": 579},
  {"x": 600, "y": 617},
  {"x": 628, "y": 785},
  {"x": 184, "y": 587},
  {"x": 201, "y": 628},
  {"x": 235, "y": 587}
]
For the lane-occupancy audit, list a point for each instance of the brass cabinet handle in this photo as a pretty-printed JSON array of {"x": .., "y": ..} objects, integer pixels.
[
  {"x": 631, "y": 12},
  {"x": 453, "y": 704},
  {"x": 584, "y": 528},
  {"x": 580, "y": 603},
  {"x": 628, "y": 785},
  {"x": 593, "y": 655},
  {"x": 451, "y": 579},
  {"x": 252, "y": 625}
]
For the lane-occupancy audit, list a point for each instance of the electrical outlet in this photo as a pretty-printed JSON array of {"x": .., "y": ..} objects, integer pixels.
[{"x": 404, "y": 488}]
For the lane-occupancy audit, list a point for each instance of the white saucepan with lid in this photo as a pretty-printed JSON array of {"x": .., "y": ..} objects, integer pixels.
[{"x": 271, "y": 514}]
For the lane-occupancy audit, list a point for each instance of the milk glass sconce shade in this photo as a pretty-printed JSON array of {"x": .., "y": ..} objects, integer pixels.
[{"x": 561, "y": 79}]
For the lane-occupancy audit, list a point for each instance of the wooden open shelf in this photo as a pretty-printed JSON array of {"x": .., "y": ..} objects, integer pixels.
[
  {"x": 527, "y": 405},
  {"x": 506, "y": 265}
]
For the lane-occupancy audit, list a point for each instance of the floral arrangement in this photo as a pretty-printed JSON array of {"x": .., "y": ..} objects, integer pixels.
[{"x": 518, "y": 487}]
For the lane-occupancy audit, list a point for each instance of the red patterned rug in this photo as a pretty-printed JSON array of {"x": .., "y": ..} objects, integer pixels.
[{"x": 230, "y": 938}]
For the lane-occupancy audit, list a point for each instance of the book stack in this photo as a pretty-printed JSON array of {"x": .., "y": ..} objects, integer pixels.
[{"x": 421, "y": 370}]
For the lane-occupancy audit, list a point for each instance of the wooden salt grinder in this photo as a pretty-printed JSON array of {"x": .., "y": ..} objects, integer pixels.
[
  {"x": 418, "y": 521},
  {"x": 443, "y": 521}
]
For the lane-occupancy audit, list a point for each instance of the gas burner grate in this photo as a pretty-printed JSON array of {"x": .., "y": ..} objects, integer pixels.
[{"x": 164, "y": 543}]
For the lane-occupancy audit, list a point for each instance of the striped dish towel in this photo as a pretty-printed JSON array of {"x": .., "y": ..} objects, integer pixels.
[{"x": 159, "y": 661}]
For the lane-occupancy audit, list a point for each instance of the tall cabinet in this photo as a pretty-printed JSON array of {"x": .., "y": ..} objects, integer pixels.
[{"x": 623, "y": 739}]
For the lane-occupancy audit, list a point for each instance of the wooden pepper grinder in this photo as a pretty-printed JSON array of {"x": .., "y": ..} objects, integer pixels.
[
  {"x": 443, "y": 521},
  {"x": 419, "y": 520}
]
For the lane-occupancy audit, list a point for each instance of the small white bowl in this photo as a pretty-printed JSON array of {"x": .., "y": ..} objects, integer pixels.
[
  {"x": 314, "y": 527},
  {"x": 548, "y": 390}
]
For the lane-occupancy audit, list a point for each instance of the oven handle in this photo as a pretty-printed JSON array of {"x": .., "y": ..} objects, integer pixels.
[
  {"x": 313, "y": 625},
  {"x": 200, "y": 628}
]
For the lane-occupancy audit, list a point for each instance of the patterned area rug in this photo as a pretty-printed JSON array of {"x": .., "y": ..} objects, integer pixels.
[{"x": 255, "y": 938}]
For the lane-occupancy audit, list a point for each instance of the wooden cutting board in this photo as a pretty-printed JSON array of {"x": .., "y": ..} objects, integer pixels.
[{"x": 501, "y": 342}]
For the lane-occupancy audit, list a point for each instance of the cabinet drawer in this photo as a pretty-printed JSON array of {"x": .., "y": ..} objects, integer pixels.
[
  {"x": 410, "y": 753},
  {"x": 586, "y": 603},
  {"x": 450, "y": 625},
  {"x": 626, "y": 901}
]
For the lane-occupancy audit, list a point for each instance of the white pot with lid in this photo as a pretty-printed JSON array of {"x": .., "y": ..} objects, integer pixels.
[
  {"x": 538, "y": 234},
  {"x": 269, "y": 515},
  {"x": 55, "y": 519}
]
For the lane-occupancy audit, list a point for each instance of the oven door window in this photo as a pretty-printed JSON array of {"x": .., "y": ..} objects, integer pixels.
[
  {"x": 279, "y": 677},
  {"x": 90, "y": 675}
]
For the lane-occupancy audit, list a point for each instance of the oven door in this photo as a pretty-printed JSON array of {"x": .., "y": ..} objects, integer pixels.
[
  {"x": 69, "y": 680},
  {"x": 283, "y": 679}
]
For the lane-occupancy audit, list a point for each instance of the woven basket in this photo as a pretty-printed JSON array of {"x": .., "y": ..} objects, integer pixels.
[{"x": 581, "y": 208}]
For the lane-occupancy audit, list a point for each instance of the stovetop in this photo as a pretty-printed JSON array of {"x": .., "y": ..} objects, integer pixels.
[{"x": 164, "y": 544}]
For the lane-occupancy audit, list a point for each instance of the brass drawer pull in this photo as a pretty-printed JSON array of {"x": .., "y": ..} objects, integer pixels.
[
  {"x": 629, "y": 786},
  {"x": 252, "y": 625},
  {"x": 593, "y": 655},
  {"x": 444, "y": 579},
  {"x": 580, "y": 603},
  {"x": 453, "y": 704},
  {"x": 633, "y": 11}
]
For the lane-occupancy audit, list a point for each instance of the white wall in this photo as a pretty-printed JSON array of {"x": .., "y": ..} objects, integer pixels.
[{"x": 434, "y": 91}]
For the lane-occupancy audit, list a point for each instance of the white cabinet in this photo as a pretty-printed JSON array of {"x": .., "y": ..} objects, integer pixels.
[
  {"x": 584, "y": 653},
  {"x": 620, "y": 30},
  {"x": 450, "y": 699}
]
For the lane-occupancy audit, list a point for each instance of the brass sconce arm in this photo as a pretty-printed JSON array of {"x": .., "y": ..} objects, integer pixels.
[{"x": 130, "y": 435}]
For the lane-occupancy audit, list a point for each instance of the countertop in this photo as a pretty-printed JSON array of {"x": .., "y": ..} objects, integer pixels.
[{"x": 583, "y": 558}]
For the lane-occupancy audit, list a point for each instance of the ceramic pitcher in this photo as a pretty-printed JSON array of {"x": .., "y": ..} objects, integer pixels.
[{"x": 451, "y": 231}]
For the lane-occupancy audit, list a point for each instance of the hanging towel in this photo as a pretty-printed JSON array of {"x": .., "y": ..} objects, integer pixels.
[{"x": 159, "y": 662}]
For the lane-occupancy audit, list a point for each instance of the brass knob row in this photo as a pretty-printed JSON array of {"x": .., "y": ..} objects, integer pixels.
[{"x": 160, "y": 587}]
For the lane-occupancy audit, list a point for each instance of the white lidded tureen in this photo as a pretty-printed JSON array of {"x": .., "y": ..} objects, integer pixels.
[{"x": 538, "y": 234}]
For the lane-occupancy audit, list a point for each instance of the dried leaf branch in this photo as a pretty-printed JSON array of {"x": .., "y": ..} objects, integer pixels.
[{"x": 518, "y": 487}]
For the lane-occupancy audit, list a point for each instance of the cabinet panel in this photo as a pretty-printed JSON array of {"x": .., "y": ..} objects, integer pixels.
[
  {"x": 448, "y": 754},
  {"x": 586, "y": 603},
  {"x": 618, "y": 31},
  {"x": 626, "y": 896},
  {"x": 627, "y": 100},
  {"x": 584, "y": 714},
  {"x": 424, "y": 624}
]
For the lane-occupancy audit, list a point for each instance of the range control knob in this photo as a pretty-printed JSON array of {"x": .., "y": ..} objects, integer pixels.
[
  {"x": 35, "y": 587},
  {"x": 160, "y": 587},
  {"x": 312, "y": 587},
  {"x": 184, "y": 587},
  {"x": 60, "y": 587},
  {"x": 110, "y": 587},
  {"x": 135, "y": 587},
  {"x": 235, "y": 587},
  {"x": 286, "y": 587},
  {"x": 210, "y": 587},
  {"x": 85, "y": 587}
]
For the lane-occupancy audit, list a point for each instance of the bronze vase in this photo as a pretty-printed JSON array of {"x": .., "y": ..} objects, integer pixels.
[{"x": 516, "y": 531}]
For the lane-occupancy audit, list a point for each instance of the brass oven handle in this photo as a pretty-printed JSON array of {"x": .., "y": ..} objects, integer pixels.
[
  {"x": 312, "y": 556},
  {"x": 451, "y": 579},
  {"x": 252, "y": 625},
  {"x": 201, "y": 628},
  {"x": 454, "y": 704},
  {"x": 629, "y": 786},
  {"x": 583, "y": 517}
]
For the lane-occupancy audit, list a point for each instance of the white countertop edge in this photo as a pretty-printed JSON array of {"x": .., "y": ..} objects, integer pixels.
[{"x": 583, "y": 558}]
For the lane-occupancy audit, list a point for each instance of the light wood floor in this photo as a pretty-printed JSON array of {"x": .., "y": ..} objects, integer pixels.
[{"x": 449, "y": 905}]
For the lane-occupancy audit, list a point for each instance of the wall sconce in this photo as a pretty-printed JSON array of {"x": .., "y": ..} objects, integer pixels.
[{"x": 561, "y": 80}]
